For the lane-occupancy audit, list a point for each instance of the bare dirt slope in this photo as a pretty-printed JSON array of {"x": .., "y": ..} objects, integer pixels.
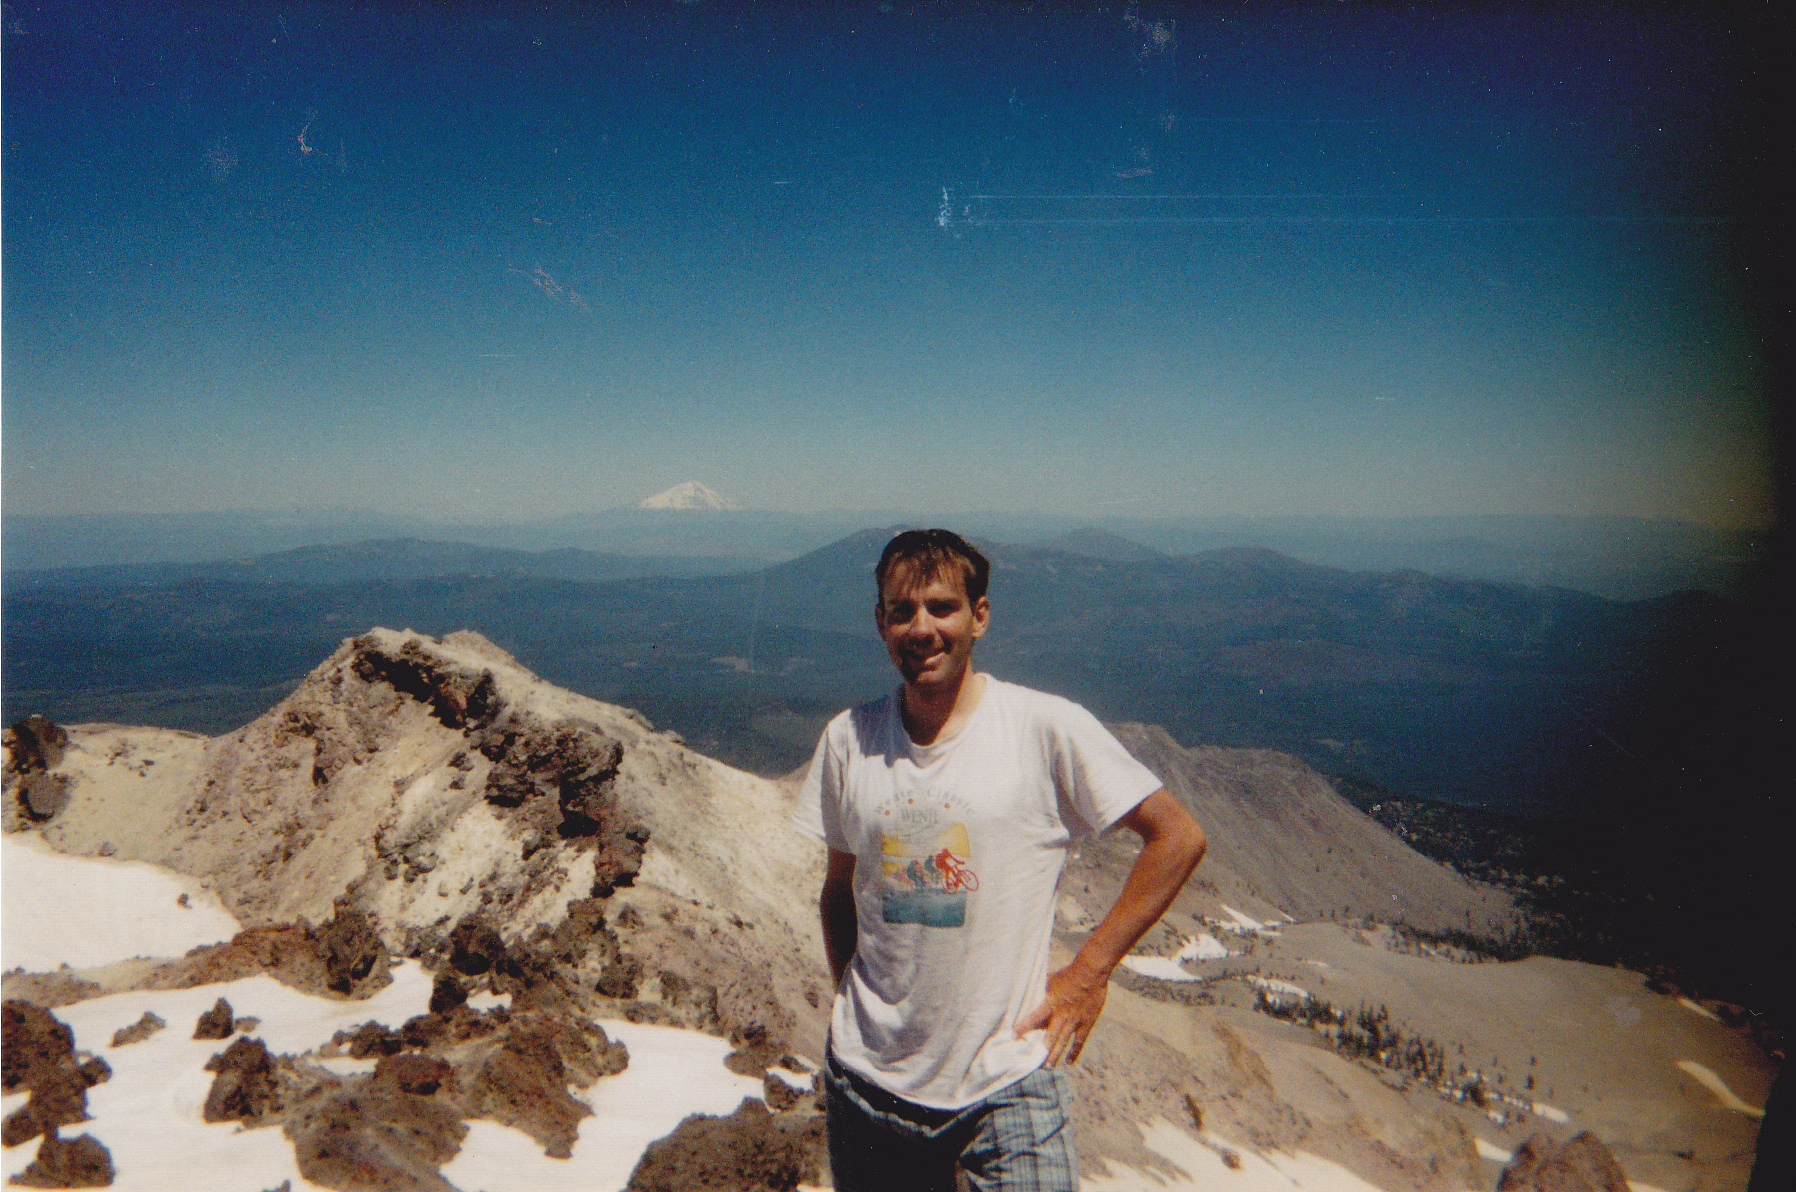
[{"x": 1285, "y": 845}]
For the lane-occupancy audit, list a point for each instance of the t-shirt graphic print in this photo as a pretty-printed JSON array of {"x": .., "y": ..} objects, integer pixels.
[{"x": 926, "y": 861}]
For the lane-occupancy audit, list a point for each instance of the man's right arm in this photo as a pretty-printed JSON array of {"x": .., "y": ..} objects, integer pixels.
[{"x": 836, "y": 905}]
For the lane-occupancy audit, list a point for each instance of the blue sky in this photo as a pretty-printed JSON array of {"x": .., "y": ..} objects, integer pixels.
[{"x": 493, "y": 262}]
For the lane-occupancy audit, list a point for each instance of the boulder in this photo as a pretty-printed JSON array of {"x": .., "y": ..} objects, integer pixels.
[
  {"x": 37, "y": 1054},
  {"x": 82, "y": 1162},
  {"x": 216, "y": 1023},
  {"x": 244, "y": 1089},
  {"x": 374, "y": 1137},
  {"x": 138, "y": 1031},
  {"x": 1583, "y": 1164},
  {"x": 749, "y": 1151}
]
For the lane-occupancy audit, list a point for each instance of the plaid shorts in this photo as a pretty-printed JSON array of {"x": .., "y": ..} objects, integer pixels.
[{"x": 1018, "y": 1139}]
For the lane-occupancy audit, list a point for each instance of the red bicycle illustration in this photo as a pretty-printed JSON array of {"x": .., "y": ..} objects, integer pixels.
[{"x": 955, "y": 874}]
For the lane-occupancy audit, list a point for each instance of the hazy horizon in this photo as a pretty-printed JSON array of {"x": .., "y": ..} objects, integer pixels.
[
  {"x": 891, "y": 514},
  {"x": 484, "y": 265}
]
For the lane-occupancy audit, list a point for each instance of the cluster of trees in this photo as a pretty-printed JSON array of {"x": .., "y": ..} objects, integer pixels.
[
  {"x": 1366, "y": 1034},
  {"x": 1458, "y": 946}
]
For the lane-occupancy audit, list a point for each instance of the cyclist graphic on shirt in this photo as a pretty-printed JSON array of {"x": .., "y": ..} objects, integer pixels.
[{"x": 927, "y": 865}]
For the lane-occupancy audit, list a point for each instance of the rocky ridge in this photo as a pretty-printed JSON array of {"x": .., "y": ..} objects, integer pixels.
[{"x": 434, "y": 800}]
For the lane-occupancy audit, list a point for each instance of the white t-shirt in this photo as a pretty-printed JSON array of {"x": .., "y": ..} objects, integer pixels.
[{"x": 958, "y": 846}]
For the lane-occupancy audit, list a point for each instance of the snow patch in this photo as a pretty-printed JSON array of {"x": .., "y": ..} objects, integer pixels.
[
  {"x": 1203, "y": 946},
  {"x": 1716, "y": 1085},
  {"x": 1491, "y": 1151},
  {"x": 89, "y": 911},
  {"x": 1161, "y": 968},
  {"x": 672, "y": 1073},
  {"x": 1698, "y": 1008},
  {"x": 1273, "y": 985},
  {"x": 148, "y": 1113},
  {"x": 1245, "y": 923}
]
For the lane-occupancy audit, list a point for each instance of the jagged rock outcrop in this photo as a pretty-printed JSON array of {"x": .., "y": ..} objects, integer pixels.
[
  {"x": 34, "y": 747},
  {"x": 38, "y": 1053},
  {"x": 216, "y": 1023},
  {"x": 397, "y": 1125},
  {"x": 1582, "y": 1164},
  {"x": 82, "y": 1162},
  {"x": 375, "y": 1136},
  {"x": 138, "y": 1031},
  {"x": 244, "y": 1089},
  {"x": 749, "y": 1151},
  {"x": 425, "y": 785}
]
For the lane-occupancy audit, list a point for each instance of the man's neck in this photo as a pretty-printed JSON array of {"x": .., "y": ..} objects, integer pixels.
[{"x": 932, "y": 713}]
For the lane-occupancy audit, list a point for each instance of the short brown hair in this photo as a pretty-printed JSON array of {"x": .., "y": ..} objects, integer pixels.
[{"x": 933, "y": 551}]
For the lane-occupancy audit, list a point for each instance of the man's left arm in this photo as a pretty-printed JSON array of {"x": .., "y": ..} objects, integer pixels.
[{"x": 1172, "y": 844}]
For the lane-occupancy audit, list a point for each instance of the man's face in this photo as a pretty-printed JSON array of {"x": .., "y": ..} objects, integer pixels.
[{"x": 928, "y": 625}]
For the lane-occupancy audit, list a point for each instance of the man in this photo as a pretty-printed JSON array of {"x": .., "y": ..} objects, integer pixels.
[{"x": 948, "y": 807}]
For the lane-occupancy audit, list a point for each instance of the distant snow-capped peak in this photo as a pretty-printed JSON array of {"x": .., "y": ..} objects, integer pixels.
[{"x": 690, "y": 495}]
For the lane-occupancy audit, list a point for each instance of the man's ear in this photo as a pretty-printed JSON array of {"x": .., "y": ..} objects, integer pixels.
[
  {"x": 982, "y": 616},
  {"x": 879, "y": 616}
]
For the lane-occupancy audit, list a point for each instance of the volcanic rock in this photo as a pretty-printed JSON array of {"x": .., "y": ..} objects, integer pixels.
[
  {"x": 446, "y": 993},
  {"x": 1583, "y": 1164},
  {"x": 520, "y": 1076},
  {"x": 457, "y": 696},
  {"x": 82, "y": 1162},
  {"x": 343, "y": 956},
  {"x": 35, "y": 1042},
  {"x": 476, "y": 947},
  {"x": 38, "y": 1054},
  {"x": 779, "y": 1094},
  {"x": 369, "y": 1041},
  {"x": 419, "y": 1075},
  {"x": 373, "y": 1137},
  {"x": 215, "y": 1023},
  {"x": 244, "y": 1089},
  {"x": 756, "y": 1050},
  {"x": 355, "y": 960},
  {"x": 749, "y": 1151},
  {"x": 138, "y": 1031},
  {"x": 34, "y": 746}
]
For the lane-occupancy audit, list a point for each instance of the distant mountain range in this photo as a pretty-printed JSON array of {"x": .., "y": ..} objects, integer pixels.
[
  {"x": 376, "y": 559},
  {"x": 1533, "y": 699},
  {"x": 1621, "y": 558}
]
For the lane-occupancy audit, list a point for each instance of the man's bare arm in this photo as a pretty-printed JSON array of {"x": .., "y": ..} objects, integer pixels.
[
  {"x": 1171, "y": 846},
  {"x": 836, "y": 905}
]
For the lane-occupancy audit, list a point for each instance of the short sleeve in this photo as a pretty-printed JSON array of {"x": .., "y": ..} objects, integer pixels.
[
  {"x": 1096, "y": 780},
  {"x": 817, "y": 811}
]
